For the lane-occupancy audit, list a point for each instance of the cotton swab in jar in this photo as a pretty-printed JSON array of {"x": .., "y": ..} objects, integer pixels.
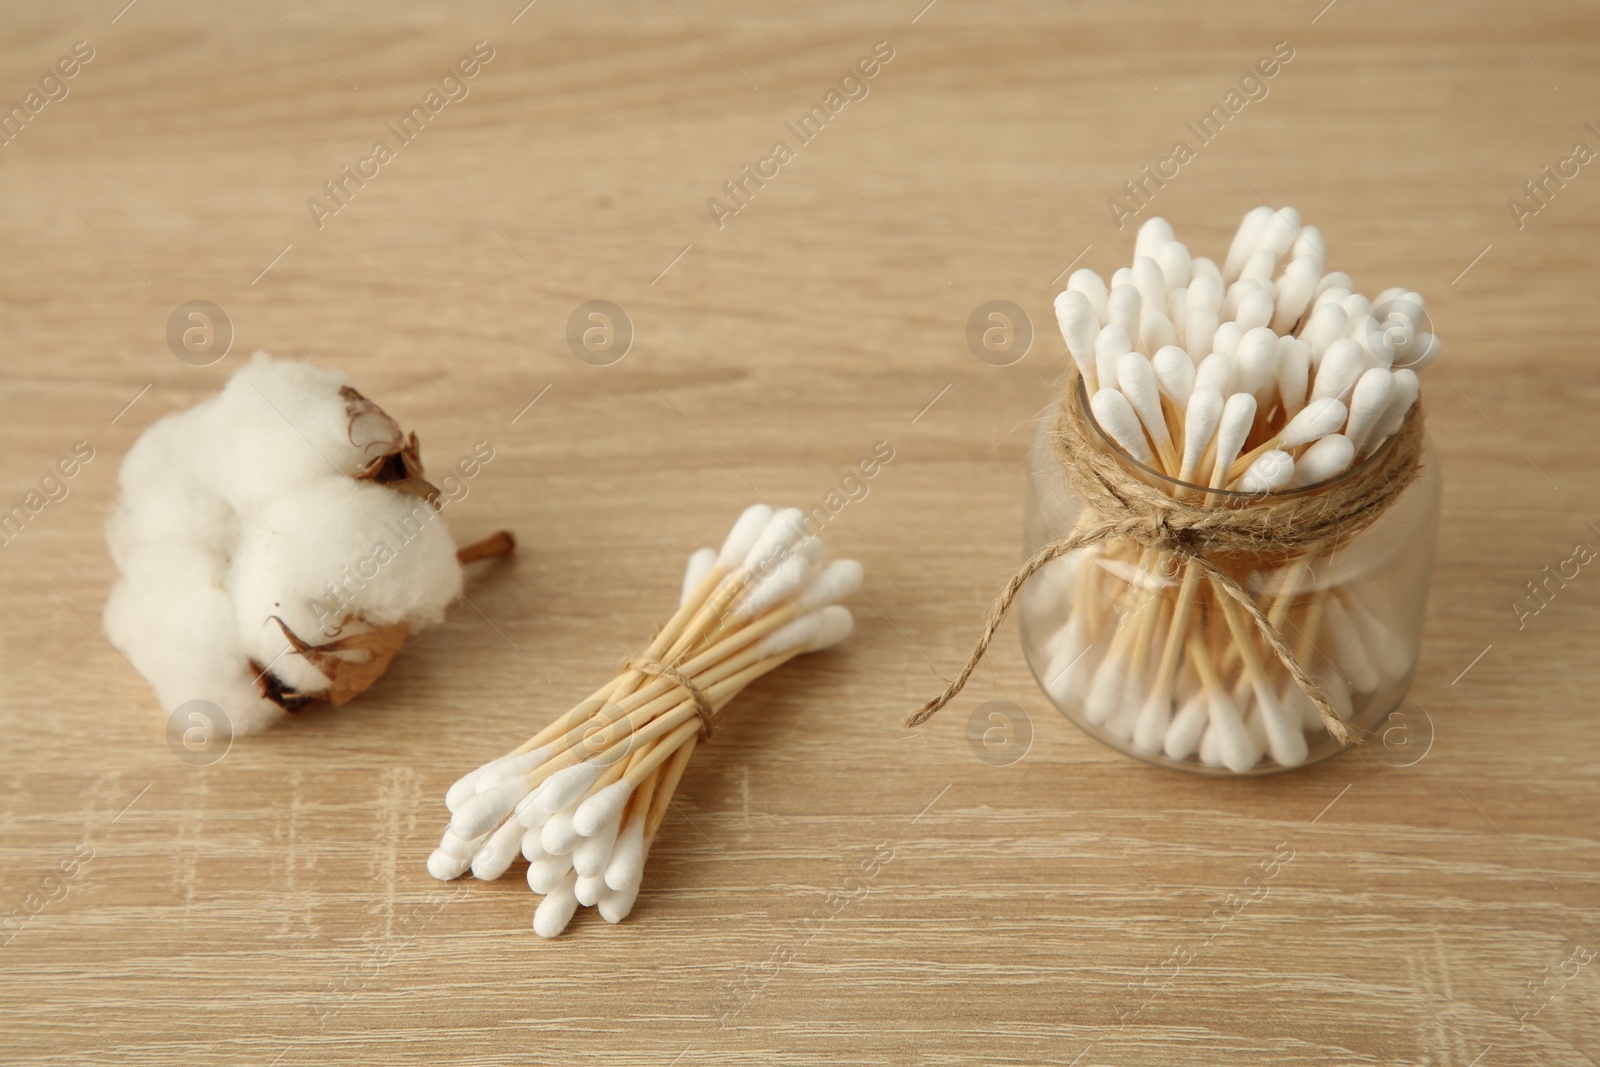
[{"x": 581, "y": 799}]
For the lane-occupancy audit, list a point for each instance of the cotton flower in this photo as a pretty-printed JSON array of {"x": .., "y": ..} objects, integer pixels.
[{"x": 275, "y": 543}]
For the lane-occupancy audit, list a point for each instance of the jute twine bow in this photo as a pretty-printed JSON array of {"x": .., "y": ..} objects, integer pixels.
[
  {"x": 1124, "y": 505},
  {"x": 702, "y": 703}
]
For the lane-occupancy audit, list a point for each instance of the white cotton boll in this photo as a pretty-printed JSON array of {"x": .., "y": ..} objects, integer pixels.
[
  {"x": 546, "y": 875},
  {"x": 1176, "y": 264},
  {"x": 1341, "y": 365},
  {"x": 1127, "y": 308},
  {"x": 627, "y": 857},
  {"x": 700, "y": 563},
  {"x": 832, "y": 584},
  {"x": 1328, "y": 457},
  {"x": 746, "y": 528},
  {"x": 1079, "y": 327},
  {"x": 1245, "y": 240},
  {"x": 1174, "y": 373},
  {"x": 555, "y": 911},
  {"x": 1092, "y": 286},
  {"x": 588, "y": 889},
  {"x": 1294, "y": 374},
  {"x": 1109, "y": 345},
  {"x": 589, "y": 859},
  {"x": 497, "y": 853},
  {"x": 246, "y": 507},
  {"x": 1153, "y": 234},
  {"x": 1227, "y": 337},
  {"x": 1270, "y": 470},
  {"x": 601, "y": 809},
  {"x": 616, "y": 904}
]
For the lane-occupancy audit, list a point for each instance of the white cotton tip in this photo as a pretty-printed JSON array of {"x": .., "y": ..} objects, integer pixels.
[
  {"x": 1122, "y": 722},
  {"x": 555, "y": 911},
  {"x": 1205, "y": 267},
  {"x": 511, "y": 767},
  {"x": 1152, "y": 236},
  {"x": 1328, "y": 457},
  {"x": 1255, "y": 310},
  {"x": 1335, "y": 280},
  {"x": 1271, "y": 470},
  {"x": 1156, "y": 330},
  {"x": 1215, "y": 372},
  {"x": 616, "y": 904},
  {"x": 1356, "y": 306},
  {"x": 780, "y": 582},
  {"x": 497, "y": 853},
  {"x": 745, "y": 530},
  {"x": 1322, "y": 416},
  {"x": 1294, "y": 374},
  {"x": 1406, "y": 388},
  {"x": 1236, "y": 749},
  {"x": 1368, "y": 401},
  {"x": 1183, "y": 733},
  {"x": 601, "y": 809},
  {"x": 1330, "y": 298},
  {"x": 1226, "y": 339},
  {"x": 1280, "y": 232},
  {"x": 1121, "y": 423},
  {"x": 484, "y": 811},
  {"x": 1199, "y": 426},
  {"x": 1261, "y": 266},
  {"x": 446, "y": 867},
  {"x": 465, "y": 786},
  {"x": 1105, "y": 694},
  {"x": 1176, "y": 264},
  {"x": 532, "y": 847},
  {"x": 1127, "y": 308},
  {"x": 1137, "y": 378},
  {"x": 832, "y": 584},
  {"x": 589, "y": 859},
  {"x": 1238, "y": 415},
  {"x": 1070, "y": 662},
  {"x": 1245, "y": 240},
  {"x": 1206, "y": 291},
  {"x": 1349, "y": 650},
  {"x": 528, "y": 811},
  {"x": 452, "y": 845},
  {"x": 1236, "y": 292},
  {"x": 1174, "y": 374},
  {"x": 700, "y": 563},
  {"x": 587, "y": 890},
  {"x": 559, "y": 837},
  {"x": 627, "y": 857},
  {"x": 1295, "y": 290},
  {"x": 1151, "y": 283},
  {"x": 546, "y": 874},
  {"x": 1092, "y": 286},
  {"x": 777, "y": 540},
  {"x": 1109, "y": 345},
  {"x": 1389, "y": 654},
  {"x": 1423, "y": 351},
  {"x": 1199, "y": 327},
  {"x": 563, "y": 788},
  {"x": 837, "y": 624},
  {"x": 1178, "y": 310},
  {"x": 1255, "y": 364},
  {"x": 1310, "y": 244},
  {"x": 1079, "y": 327},
  {"x": 1150, "y": 729},
  {"x": 1286, "y": 741},
  {"x": 1373, "y": 341},
  {"x": 1326, "y": 325},
  {"x": 1209, "y": 752},
  {"x": 1342, "y": 364}
]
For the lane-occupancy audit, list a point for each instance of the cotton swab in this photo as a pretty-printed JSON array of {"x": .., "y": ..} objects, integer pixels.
[
  {"x": 1117, "y": 417},
  {"x": 1076, "y": 317},
  {"x": 1368, "y": 402},
  {"x": 1329, "y": 456}
]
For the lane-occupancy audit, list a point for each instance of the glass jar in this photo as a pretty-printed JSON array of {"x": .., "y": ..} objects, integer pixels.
[{"x": 1186, "y": 680}]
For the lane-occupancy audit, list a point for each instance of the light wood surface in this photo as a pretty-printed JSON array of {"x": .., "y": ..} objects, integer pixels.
[{"x": 273, "y": 908}]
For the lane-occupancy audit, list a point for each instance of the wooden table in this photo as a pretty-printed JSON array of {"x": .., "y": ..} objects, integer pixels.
[{"x": 1067, "y": 907}]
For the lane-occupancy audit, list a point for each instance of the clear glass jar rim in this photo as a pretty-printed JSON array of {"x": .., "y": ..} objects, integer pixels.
[{"x": 1225, "y": 494}]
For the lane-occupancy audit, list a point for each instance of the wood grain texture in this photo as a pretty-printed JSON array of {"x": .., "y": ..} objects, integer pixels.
[{"x": 273, "y": 908}]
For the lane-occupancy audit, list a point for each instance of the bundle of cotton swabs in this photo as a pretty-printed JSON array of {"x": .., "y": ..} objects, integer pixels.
[
  {"x": 1268, "y": 373},
  {"x": 582, "y": 799}
]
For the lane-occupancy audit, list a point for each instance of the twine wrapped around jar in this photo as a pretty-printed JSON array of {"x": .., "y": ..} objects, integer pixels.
[{"x": 1120, "y": 504}]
